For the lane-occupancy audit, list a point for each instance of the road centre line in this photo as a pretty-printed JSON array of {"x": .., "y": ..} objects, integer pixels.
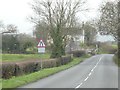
[
  {"x": 90, "y": 73},
  {"x": 79, "y": 85},
  {"x": 86, "y": 78}
]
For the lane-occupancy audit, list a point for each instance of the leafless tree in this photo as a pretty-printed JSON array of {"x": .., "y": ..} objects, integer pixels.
[
  {"x": 60, "y": 16},
  {"x": 118, "y": 5},
  {"x": 109, "y": 19},
  {"x": 10, "y": 28}
]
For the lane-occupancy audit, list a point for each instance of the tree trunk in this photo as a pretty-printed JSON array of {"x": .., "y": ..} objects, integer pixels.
[
  {"x": 119, "y": 30},
  {"x": 57, "y": 47}
]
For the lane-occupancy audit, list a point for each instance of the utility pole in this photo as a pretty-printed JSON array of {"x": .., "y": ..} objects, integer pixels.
[{"x": 83, "y": 33}]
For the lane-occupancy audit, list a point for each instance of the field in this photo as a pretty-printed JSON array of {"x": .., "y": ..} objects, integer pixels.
[{"x": 21, "y": 57}]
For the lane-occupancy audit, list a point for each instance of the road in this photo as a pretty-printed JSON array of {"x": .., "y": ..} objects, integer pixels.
[{"x": 98, "y": 71}]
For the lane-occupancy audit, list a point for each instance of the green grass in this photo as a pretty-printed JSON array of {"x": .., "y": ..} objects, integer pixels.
[
  {"x": 116, "y": 60},
  {"x": 25, "y": 79},
  {"x": 114, "y": 46},
  {"x": 0, "y": 84},
  {"x": 20, "y": 57}
]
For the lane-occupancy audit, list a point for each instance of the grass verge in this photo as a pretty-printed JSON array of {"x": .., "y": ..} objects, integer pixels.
[
  {"x": 25, "y": 79},
  {"x": 116, "y": 60}
]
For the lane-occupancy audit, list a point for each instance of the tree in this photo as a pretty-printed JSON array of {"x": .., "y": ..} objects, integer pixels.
[
  {"x": 26, "y": 41},
  {"x": 118, "y": 5},
  {"x": 1, "y": 27},
  {"x": 10, "y": 28},
  {"x": 60, "y": 16},
  {"x": 10, "y": 44},
  {"x": 41, "y": 31},
  {"x": 9, "y": 38},
  {"x": 90, "y": 33},
  {"x": 109, "y": 19}
]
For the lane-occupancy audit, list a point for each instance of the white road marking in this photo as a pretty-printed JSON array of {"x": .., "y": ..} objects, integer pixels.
[
  {"x": 86, "y": 79},
  {"x": 79, "y": 85},
  {"x": 90, "y": 72},
  {"x": 95, "y": 66}
]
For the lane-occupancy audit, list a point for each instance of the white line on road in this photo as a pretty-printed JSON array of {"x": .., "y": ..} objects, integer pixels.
[
  {"x": 86, "y": 78},
  {"x": 92, "y": 70},
  {"x": 79, "y": 85},
  {"x": 90, "y": 73}
]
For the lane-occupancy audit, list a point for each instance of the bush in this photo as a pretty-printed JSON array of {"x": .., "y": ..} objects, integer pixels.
[
  {"x": 65, "y": 60},
  {"x": 31, "y": 50},
  {"x": 106, "y": 48},
  {"x": 112, "y": 51},
  {"x": 8, "y": 70},
  {"x": 116, "y": 59},
  {"x": 79, "y": 53},
  {"x": 26, "y": 67},
  {"x": 37, "y": 66},
  {"x": 49, "y": 63}
]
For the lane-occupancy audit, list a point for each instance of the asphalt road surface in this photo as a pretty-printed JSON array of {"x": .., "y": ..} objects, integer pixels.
[{"x": 98, "y": 71}]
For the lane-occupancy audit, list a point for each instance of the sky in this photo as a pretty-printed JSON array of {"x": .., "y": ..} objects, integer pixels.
[{"x": 17, "y": 11}]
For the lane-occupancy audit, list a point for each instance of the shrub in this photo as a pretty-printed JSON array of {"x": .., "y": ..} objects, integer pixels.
[
  {"x": 107, "y": 48},
  {"x": 79, "y": 53},
  {"x": 58, "y": 62},
  {"x": 31, "y": 50},
  {"x": 37, "y": 66},
  {"x": 53, "y": 62},
  {"x": 49, "y": 63},
  {"x": 26, "y": 67},
  {"x": 65, "y": 60},
  {"x": 112, "y": 51},
  {"x": 8, "y": 70},
  {"x": 46, "y": 64},
  {"x": 116, "y": 59}
]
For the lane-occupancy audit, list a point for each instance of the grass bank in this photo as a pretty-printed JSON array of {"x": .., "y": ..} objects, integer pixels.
[
  {"x": 25, "y": 79},
  {"x": 116, "y": 60},
  {"x": 21, "y": 57}
]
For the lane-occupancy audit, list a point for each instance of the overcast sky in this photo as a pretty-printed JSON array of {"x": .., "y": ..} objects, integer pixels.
[{"x": 16, "y": 12}]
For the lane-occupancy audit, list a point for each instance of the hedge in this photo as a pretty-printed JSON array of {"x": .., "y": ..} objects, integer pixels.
[
  {"x": 26, "y": 67},
  {"x": 8, "y": 70},
  {"x": 64, "y": 60},
  {"x": 78, "y": 53}
]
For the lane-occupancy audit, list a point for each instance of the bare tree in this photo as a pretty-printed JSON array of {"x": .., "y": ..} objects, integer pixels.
[
  {"x": 109, "y": 20},
  {"x": 90, "y": 33},
  {"x": 41, "y": 31},
  {"x": 60, "y": 16},
  {"x": 10, "y": 28},
  {"x": 118, "y": 5},
  {"x": 1, "y": 26}
]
